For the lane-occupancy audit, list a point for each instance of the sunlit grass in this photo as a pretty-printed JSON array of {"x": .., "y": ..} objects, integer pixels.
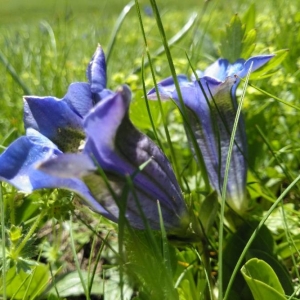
[{"x": 45, "y": 46}]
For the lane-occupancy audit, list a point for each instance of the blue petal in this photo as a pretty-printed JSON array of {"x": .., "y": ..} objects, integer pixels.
[
  {"x": 80, "y": 165},
  {"x": 79, "y": 98},
  {"x": 217, "y": 70},
  {"x": 212, "y": 119},
  {"x": 198, "y": 99},
  {"x": 18, "y": 160},
  {"x": 120, "y": 149},
  {"x": 241, "y": 68},
  {"x": 96, "y": 71},
  {"x": 221, "y": 68},
  {"x": 54, "y": 119},
  {"x": 211, "y": 111},
  {"x": 105, "y": 93},
  {"x": 166, "y": 87},
  {"x": 212, "y": 105},
  {"x": 235, "y": 68},
  {"x": 67, "y": 168},
  {"x": 256, "y": 61},
  {"x": 18, "y": 167},
  {"x": 71, "y": 165}
]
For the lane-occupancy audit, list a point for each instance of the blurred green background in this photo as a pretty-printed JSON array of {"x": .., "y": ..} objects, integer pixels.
[{"x": 46, "y": 45}]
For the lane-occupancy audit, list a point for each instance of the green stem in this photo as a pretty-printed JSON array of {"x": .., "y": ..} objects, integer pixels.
[
  {"x": 204, "y": 259},
  {"x": 224, "y": 187},
  {"x": 3, "y": 244},
  {"x": 254, "y": 234},
  {"x": 117, "y": 28},
  {"x": 10, "y": 69},
  {"x": 165, "y": 125},
  {"x": 29, "y": 234},
  {"x": 12, "y": 212},
  {"x": 86, "y": 292}
]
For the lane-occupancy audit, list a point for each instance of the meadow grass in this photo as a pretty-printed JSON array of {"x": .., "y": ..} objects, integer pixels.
[{"x": 45, "y": 46}]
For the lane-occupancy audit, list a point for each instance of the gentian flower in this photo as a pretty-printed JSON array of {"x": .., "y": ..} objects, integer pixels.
[
  {"x": 54, "y": 126},
  {"x": 211, "y": 106},
  {"x": 119, "y": 149}
]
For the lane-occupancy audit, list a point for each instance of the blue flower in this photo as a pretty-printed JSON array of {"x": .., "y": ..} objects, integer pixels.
[
  {"x": 119, "y": 149},
  {"x": 60, "y": 120},
  {"x": 211, "y": 106},
  {"x": 54, "y": 126}
]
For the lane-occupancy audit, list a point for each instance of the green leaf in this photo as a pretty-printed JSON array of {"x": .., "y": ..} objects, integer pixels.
[
  {"x": 248, "y": 43},
  {"x": 70, "y": 285},
  {"x": 249, "y": 18},
  {"x": 20, "y": 285},
  {"x": 233, "y": 249},
  {"x": 231, "y": 42},
  {"x": 276, "y": 265},
  {"x": 139, "y": 114},
  {"x": 239, "y": 40},
  {"x": 208, "y": 211},
  {"x": 262, "y": 280},
  {"x": 286, "y": 249}
]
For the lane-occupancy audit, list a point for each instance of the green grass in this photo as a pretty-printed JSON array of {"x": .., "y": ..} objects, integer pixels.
[{"x": 46, "y": 45}]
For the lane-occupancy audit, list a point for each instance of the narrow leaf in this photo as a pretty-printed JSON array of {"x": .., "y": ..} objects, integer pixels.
[
  {"x": 248, "y": 44},
  {"x": 249, "y": 18}
]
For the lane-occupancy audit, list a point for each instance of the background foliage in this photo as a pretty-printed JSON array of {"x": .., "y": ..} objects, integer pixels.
[{"x": 56, "y": 248}]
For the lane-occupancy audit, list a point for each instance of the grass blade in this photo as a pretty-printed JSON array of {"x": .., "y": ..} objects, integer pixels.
[
  {"x": 173, "y": 40},
  {"x": 3, "y": 248},
  {"x": 224, "y": 187},
  {"x": 10, "y": 69},
  {"x": 251, "y": 239},
  {"x": 117, "y": 28},
  {"x": 86, "y": 292}
]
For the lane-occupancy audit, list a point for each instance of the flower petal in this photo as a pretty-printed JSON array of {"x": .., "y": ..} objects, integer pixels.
[
  {"x": 96, "y": 71},
  {"x": 256, "y": 61},
  {"x": 211, "y": 111},
  {"x": 16, "y": 162},
  {"x": 79, "y": 98},
  {"x": 54, "y": 119},
  {"x": 80, "y": 165},
  {"x": 166, "y": 87},
  {"x": 223, "y": 114},
  {"x": 18, "y": 167},
  {"x": 69, "y": 168},
  {"x": 235, "y": 68},
  {"x": 218, "y": 69},
  {"x": 71, "y": 165},
  {"x": 120, "y": 149},
  {"x": 211, "y": 106}
]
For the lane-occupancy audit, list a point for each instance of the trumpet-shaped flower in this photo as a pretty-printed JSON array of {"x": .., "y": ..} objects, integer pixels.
[
  {"x": 119, "y": 149},
  {"x": 54, "y": 126},
  {"x": 60, "y": 120},
  {"x": 211, "y": 105}
]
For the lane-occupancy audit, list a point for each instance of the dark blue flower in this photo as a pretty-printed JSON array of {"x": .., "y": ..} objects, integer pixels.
[
  {"x": 211, "y": 107},
  {"x": 119, "y": 149},
  {"x": 60, "y": 120},
  {"x": 54, "y": 126}
]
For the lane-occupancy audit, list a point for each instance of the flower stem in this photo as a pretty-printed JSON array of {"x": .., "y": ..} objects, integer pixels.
[
  {"x": 12, "y": 212},
  {"x": 205, "y": 260}
]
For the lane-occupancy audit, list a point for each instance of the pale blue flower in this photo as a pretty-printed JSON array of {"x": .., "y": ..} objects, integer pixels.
[{"x": 211, "y": 106}]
